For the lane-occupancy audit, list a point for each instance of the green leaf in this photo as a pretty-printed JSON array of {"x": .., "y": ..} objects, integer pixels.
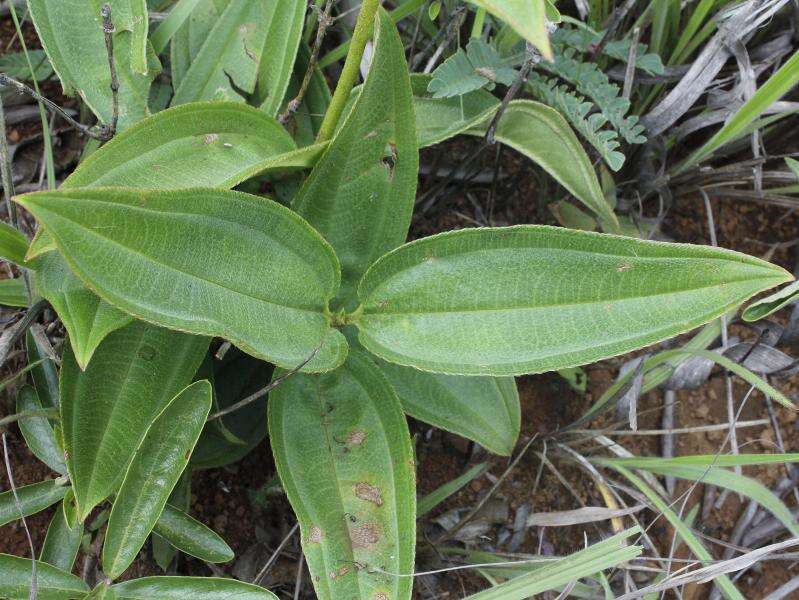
[
  {"x": 545, "y": 137},
  {"x": 231, "y": 437},
  {"x": 212, "y": 144},
  {"x": 438, "y": 119},
  {"x": 86, "y": 317},
  {"x": 777, "y": 85},
  {"x": 33, "y": 498},
  {"x": 532, "y": 298},
  {"x": 14, "y": 64},
  {"x": 437, "y": 496},
  {"x": 344, "y": 456},
  {"x": 51, "y": 583},
  {"x": 771, "y": 304},
  {"x": 44, "y": 374},
  {"x": 196, "y": 588},
  {"x": 693, "y": 542},
  {"x": 61, "y": 543},
  {"x": 263, "y": 284},
  {"x": 152, "y": 475},
  {"x": 13, "y": 244},
  {"x": 229, "y": 57},
  {"x": 483, "y": 409},
  {"x": 173, "y": 22},
  {"x": 594, "y": 559},
  {"x": 38, "y": 433},
  {"x": 12, "y": 293},
  {"x": 102, "y": 591},
  {"x": 106, "y": 409},
  {"x": 285, "y": 21},
  {"x": 463, "y": 72},
  {"x": 190, "y": 37},
  {"x": 527, "y": 17},
  {"x": 180, "y": 498},
  {"x": 358, "y": 197},
  {"x": 72, "y": 35},
  {"x": 192, "y": 537}
]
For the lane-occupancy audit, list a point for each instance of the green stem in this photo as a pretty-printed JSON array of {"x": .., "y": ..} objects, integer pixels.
[
  {"x": 349, "y": 75},
  {"x": 479, "y": 21}
]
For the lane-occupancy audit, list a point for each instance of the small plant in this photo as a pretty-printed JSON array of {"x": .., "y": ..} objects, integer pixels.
[{"x": 147, "y": 254}]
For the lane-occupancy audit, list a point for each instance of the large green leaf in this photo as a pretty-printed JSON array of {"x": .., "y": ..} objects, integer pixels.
[
  {"x": 72, "y": 35},
  {"x": 545, "y": 137},
  {"x": 61, "y": 543},
  {"x": 178, "y": 15},
  {"x": 13, "y": 245},
  {"x": 51, "y": 583},
  {"x": 227, "y": 63},
  {"x": 526, "y": 17},
  {"x": 38, "y": 433},
  {"x": 106, "y": 409},
  {"x": 483, "y": 409},
  {"x": 192, "y": 34},
  {"x": 532, "y": 298},
  {"x": 285, "y": 22},
  {"x": 213, "y": 144},
  {"x": 192, "y": 537},
  {"x": 152, "y": 475},
  {"x": 771, "y": 304},
  {"x": 44, "y": 374},
  {"x": 32, "y": 498},
  {"x": 263, "y": 283},
  {"x": 196, "y": 588},
  {"x": 343, "y": 452},
  {"x": 358, "y": 198},
  {"x": 86, "y": 317}
]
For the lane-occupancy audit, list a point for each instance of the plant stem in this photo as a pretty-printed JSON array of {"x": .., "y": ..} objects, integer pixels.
[{"x": 349, "y": 75}]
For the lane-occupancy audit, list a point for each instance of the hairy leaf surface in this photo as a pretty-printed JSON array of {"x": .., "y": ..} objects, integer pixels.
[
  {"x": 106, "y": 409},
  {"x": 545, "y": 137},
  {"x": 196, "y": 588},
  {"x": 87, "y": 318},
  {"x": 213, "y": 144},
  {"x": 61, "y": 543},
  {"x": 32, "y": 499},
  {"x": 152, "y": 474},
  {"x": 533, "y": 298},
  {"x": 227, "y": 63},
  {"x": 285, "y": 22},
  {"x": 483, "y": 409},
  {"x": 343, "y": 452},
  {"x": 192, "y": 537},
  {"x": 206, "y": 261},
  {"x": 38, "y": 433},
  {"x": 192, "y": 34},
  {"x": 360, "y": 194},
  {"x": 72, "y": 35},
  {"x": 51, "y": 583}
]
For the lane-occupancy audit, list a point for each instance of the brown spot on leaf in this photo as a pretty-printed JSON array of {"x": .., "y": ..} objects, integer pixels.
[
  {"x": 315, "y": 534},
  {"x": 380, "y": 596},
  {"x": 368, "y": 492},
  {"x": 356, "y": 437},
  {"x": 340, "y": 573},
  {"x": 624, "y": 266},
  {"x": 210, "y": 138},
  {"x": 365, "y": 535}
]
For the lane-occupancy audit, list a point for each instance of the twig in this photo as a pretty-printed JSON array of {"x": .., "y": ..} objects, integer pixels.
[
  {"x": 531, "y": 57},
  {"x": 108, "y": 29},
  {"x": 97, "y": 132},
  {"x": 668, "y": 438},
  {"x": 324, "y": 22},
  {"x": 263, "y": 391},
  {"x": 298, "y": 581},
  {"x": 32, "y": 592},
  {"x": 618, "y": 17},
  {"x": 50, "y": 413},
  {"x": 89, "y": 572},
  {"x": 275, "y": 554},
  {"x": 12, "y": 335}
]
